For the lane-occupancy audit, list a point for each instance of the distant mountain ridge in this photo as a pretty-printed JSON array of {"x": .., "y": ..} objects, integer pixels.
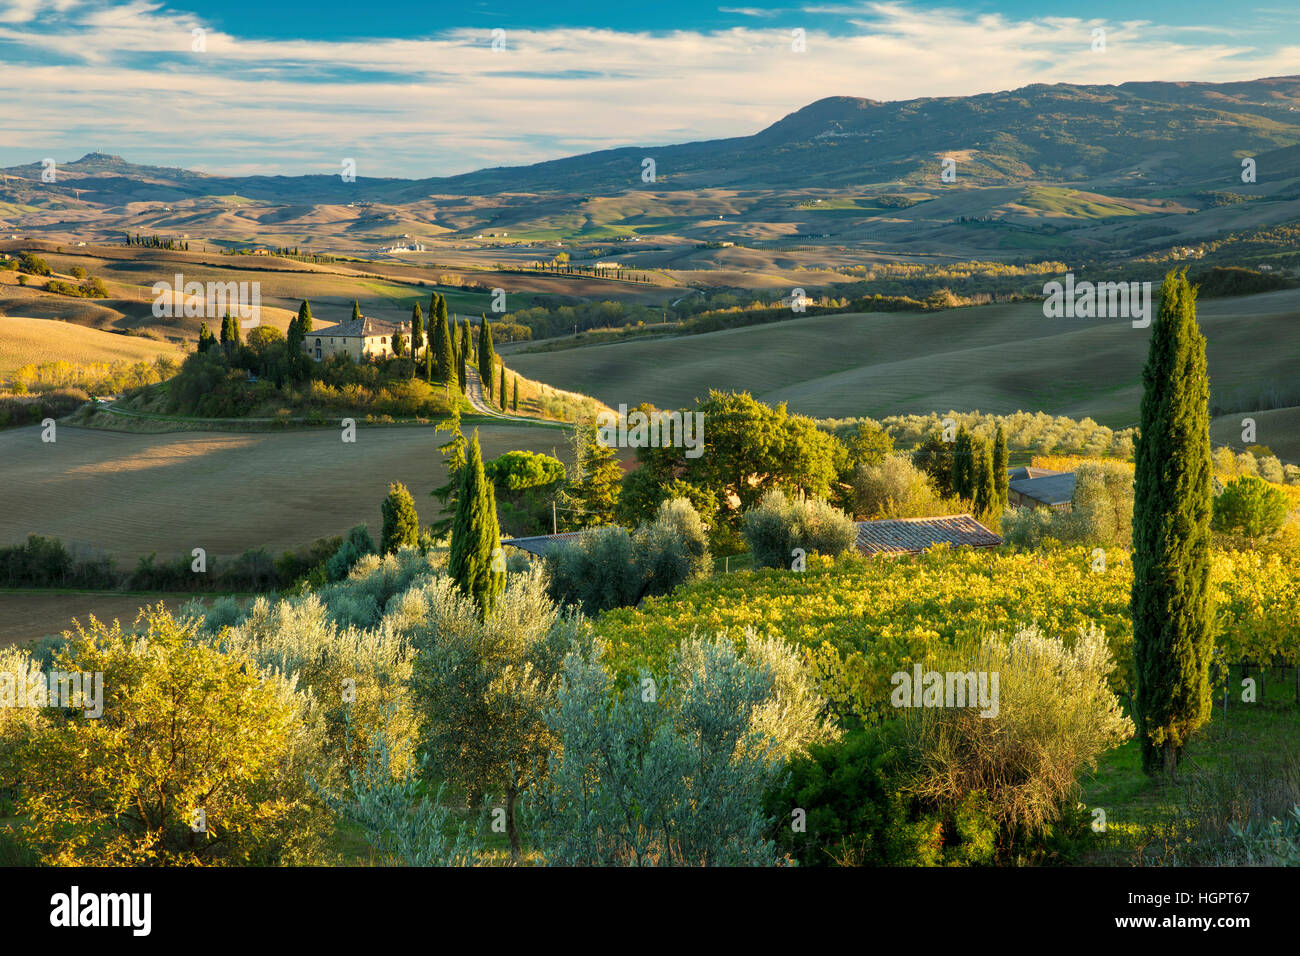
[{"x": 1170, "y": 131}]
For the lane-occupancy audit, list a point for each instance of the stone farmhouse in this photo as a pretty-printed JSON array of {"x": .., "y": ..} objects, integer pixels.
[{"x": 361, "y": 338}]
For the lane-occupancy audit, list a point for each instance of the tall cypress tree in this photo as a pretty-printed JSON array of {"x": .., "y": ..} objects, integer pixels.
[
  {"x": 485, "y": 356},
  {"x": 1172, "y": 641},
  {"x": 441, "y": 312},
  {"x": 501, "y": 392},
  {"x": 986, "y": 489},
  {"x": 1000, "y": 462},
  {"x": 417, "y": 331},
  {"x": 299, "y": 327},
  {"x": 356, "y": 309},
  {"x": 963, "y": 465},
  {"x": 206, "y": 338},
  {"x": 462, "y": 356},
  {"x": 515, "y": 401},
  {"x": 444, "y": 357},
  {"x": 476, "y": 535}
]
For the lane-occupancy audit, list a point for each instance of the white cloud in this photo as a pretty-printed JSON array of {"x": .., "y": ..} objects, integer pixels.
[{"x": 121, "y": 76}]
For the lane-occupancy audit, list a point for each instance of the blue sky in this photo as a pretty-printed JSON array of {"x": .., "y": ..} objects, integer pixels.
[
  {"x": 284, "y": 19},
  {"x": 416, "y": 89}
]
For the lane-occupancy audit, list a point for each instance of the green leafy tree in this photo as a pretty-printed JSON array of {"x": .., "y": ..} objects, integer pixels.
[
  {"x": 870, "y": 444},
  {"x": 1249, "y": 506},
  {"x": 484, "y": 684},
  {"x": 1172, "y": 639},
  {"x": 676, "y": 778},
  {"x": 401, "y": 522},
  {"x": 185, "y": 727},
  {"x": 477, "y": 564},
  {"x": 935, "y": 457}
]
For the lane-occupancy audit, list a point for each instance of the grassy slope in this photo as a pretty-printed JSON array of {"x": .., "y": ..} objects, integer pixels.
[
  {"x": 995, "y": 358},
  {"x": 24, "y": 341},
  {"x": 1278, "y": 428},
  {"x": 29, "y": 615},
  {"x": 132, "y": 494}
]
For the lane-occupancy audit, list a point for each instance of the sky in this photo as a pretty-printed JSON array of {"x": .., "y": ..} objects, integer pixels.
[{"x": 416, "y": 89}]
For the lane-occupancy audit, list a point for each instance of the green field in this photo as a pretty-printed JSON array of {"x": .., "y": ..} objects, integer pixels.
[{"x": 998, "y": 358}]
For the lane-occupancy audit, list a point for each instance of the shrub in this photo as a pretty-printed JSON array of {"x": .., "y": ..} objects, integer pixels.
[
  {"x": 608, "y": 567},
  {"x": 356, "y": 545},
  {"x": 892, "y": 488},
  {"x": 483, "y": 684},
  {"x": 33, "y": 264},
  {"x": 777, "y": 525},
  {"x": 1249, "y": 506},
  {"x": 401, "y": 522},
  {"x": 358, "y": 677},
  {"x": 1054, "y": 714},
  {"x": 185, "y": 728},
  {"x": 848, "y": 797},
  {"x": 669, "y": 775}
]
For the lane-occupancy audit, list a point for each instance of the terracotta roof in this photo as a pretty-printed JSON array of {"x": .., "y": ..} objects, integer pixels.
[
  {"x": 913, "y": 535},
  {"x": 355, "y": 328},
  {"x": 1053, "y": 489}
]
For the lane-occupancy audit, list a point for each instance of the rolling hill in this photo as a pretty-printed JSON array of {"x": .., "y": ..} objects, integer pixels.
[
  {"x": 1131, "y": 152},
  {"x": 998, "y": 358}
]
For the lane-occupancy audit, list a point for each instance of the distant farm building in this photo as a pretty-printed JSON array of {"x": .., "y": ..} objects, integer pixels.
[
  {"x": 1040, "y": 488},
  {"x": 896, "y": 536},
  {"x": 361, "y": 338}
]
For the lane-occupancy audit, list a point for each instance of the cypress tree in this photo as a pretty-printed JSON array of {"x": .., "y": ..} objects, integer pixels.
[
  {"x": 1000, "y": 462},
  {"x": 986, "y": 489},
  {"x": 476, "y": 535},
  {"x": 444, "y": 356},
  {"x": 1172, "y": 641},
  {"x": 502, "y": 390},
  {"x": 485, "y": 356},
  {"x": 401, "y": 522},
  {"x": 206, "y": 338},
  {"x": 442, "y": 309},
  {"x": 515, "y": 401},
  {"x": 963, "y": 465},
  {"x": 462, "y": 357},
  {"x": 356, "y": 309},
  {"x": 417, "y": 331}
]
